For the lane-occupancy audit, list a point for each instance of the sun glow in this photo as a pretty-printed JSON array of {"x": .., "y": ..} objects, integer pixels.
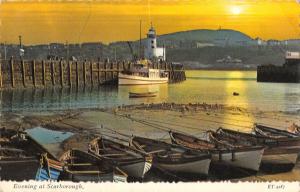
[{"x": 236, "y": 10}]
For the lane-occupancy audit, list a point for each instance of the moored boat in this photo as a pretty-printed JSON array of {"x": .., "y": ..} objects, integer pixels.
[
  {"x": 172, "y": 158},
  {"x": 83, "y": 166},
  {"x": 279, "y": 152},
  {"x": 145, "y": 94},
  {"x": 242, "y": 156},
  {"x": 141, "y": 74},
  {"x": 135, "y": 163}
]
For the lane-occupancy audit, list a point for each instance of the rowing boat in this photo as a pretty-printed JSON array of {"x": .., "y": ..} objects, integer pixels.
[
  {"x": 21, "y": 154},
  {"x": 235, "y": 155},
  {"x": 271, "y": 132},
  {"x": 281, "y": 152},
  {"x": 144, "y": 94},
  {"x": 83, "y": 166},
  {"x": 172, "y": 158},
  {"x": 135, "y": 163}
]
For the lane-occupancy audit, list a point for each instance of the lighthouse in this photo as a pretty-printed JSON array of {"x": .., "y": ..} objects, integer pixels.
[{"x": 152, "y": 51}]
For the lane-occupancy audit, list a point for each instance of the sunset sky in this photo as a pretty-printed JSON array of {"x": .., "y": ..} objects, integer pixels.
[{"x": 114, "y": 20}]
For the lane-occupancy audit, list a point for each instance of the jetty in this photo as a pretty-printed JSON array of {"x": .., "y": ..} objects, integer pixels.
[
  {"x": 19, "y": 73},
  {"x": 289, "y": 72}
]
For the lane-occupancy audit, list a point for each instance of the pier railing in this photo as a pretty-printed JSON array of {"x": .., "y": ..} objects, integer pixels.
[{"x": 61, "y": 73}]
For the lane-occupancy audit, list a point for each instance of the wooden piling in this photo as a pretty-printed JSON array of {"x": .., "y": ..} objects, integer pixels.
[
  {"x": 77, "y": 74},
  {"x": 106, "y": 71},
  {"x": 61, "y": 69},
  {"x": 111, "y": 68},
  {"x": 105, "y": 75},
  {"x": 23, "y": 73},
  {"x": 70, "y": 73},
  {"x": 99, "y": 78},
  {"x": 52, "y": 73},
  {"x": 12, "y": 72},
  {"x": 43, "y": 73},
  {"x": 123, "y": 65},
  {"x": 84, "y": 72},
  {"x": 33, "y": 73},
  {"x": 0, "y": 72},
  {"x": 91, "y": 71}
]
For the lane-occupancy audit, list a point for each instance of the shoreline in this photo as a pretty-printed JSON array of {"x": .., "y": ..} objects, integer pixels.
[{"x": 152, "y": 121}]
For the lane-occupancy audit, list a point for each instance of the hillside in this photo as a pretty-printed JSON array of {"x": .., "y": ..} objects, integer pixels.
[
  {"x": 221, "y": 37},
  {"x": 196, "y": 49}
]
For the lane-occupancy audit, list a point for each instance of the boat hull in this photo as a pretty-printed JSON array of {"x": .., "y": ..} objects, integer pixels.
[
  {"x": 243, "y": 159},
  {"x": 281, "y": 159},
  {"x": 19, "y": 170},
  {"x": 137, "y": 170},
  {"x": 200, "y": 167},
  {"x": 108, "y": 177},
  {"x": 137, "y": 80}
]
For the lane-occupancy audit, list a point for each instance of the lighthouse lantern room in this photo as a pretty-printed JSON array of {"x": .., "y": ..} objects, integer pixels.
[{"x": 152, "y": 51}]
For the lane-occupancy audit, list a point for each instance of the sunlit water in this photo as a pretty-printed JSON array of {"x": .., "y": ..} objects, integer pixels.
[{"x": 200, "y": 86}]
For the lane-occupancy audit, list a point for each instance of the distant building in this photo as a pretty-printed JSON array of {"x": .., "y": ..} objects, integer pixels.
[
  {"x": 260, "y": 42},
  {"x": 152, "y": 51},
  {"x": 273, "y": 42},
  {"x": 201, "y": 45}
]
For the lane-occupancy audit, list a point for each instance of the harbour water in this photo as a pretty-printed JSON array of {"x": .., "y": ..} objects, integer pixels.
[{"x": 201, "y": 86}]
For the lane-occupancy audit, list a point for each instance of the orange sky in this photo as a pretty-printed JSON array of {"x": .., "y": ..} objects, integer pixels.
[{"x": 113, "y": 20}]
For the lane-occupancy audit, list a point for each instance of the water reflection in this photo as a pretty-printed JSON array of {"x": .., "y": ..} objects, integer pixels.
[
  {"x": 241, "y": 87},
  {"x": 201, "y": 86}
]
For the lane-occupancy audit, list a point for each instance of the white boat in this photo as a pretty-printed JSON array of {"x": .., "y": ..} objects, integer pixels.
[
  {"x": 173, "y": 158},
  {"x": 142, "y": 75},
  {"x": 279, "y": 152},
  {"x": 246, "y": 157}
]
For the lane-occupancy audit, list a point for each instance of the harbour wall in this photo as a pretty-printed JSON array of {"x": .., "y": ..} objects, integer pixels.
[
  {"x": 61, "y": 73},
  {"x": 280, "y": 74}
]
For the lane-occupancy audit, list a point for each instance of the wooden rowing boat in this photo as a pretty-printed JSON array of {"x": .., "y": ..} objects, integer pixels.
[
  {"x": 134, "y": 162},
  {"x": 173, "y": 158},
  {"x": 235, "y": 155},
  {"x": 280, "y": 151},
  {"x": 144, "y": 94},
  {"x": 23, "y": 158},
  {"x": 271, "y": 132},
  {"x": 83, "y": 166},
  {"x": 49, "y": 169}
]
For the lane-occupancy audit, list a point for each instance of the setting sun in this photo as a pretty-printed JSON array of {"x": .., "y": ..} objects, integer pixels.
[
  {"x": 236, "y": 10},
  {"x": 40, "y": 22}
]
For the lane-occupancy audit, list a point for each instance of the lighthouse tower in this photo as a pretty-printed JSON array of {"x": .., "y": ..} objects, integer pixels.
[{"x": 152, "y": 51}]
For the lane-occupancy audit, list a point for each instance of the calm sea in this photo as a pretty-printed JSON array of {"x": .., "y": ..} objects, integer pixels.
[{"x": 200, "y": 86}]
